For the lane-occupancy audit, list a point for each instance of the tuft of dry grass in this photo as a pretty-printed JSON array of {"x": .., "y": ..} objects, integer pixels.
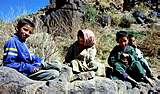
[{"x": 42, "y": 44}]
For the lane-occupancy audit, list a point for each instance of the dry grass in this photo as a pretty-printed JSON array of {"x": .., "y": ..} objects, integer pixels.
[
  {"x": 43, "y": 45},
  {"x": 151, "y": 44},
  {"x": 6, "y": 30}
]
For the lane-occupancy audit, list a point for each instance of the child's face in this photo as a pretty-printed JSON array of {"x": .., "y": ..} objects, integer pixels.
[
  {"x": 81, "y": 40},
  {"x": 132, "y": 41},
  {"x": 25, "y": 31},
  {"x": 123, "y": 41}
]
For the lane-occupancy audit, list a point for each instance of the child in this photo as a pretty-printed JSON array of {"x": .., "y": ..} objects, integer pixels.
[
  {"x": 81, "y": 54},
  {"x": 141, "y": 59},
  {"x": 123, "y": 61},
  {"x": 18, "y": 56}
]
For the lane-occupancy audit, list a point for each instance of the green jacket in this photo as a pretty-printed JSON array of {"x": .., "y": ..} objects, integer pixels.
[
  {"x": 115, "y": 55},
  {"x": 121, "y": 69}
]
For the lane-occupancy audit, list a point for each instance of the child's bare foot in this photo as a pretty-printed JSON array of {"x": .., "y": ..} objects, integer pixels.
[{"x": 150, "y": 81}]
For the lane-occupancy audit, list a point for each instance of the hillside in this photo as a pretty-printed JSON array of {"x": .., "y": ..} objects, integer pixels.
[{"x": 57, "y": 25}]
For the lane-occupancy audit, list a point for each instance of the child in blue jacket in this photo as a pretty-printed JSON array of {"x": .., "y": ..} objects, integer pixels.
[{"x": 18, "y": 56}]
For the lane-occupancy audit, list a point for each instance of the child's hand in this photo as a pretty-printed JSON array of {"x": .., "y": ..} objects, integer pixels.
[
  {"x": 125, "y": 59},
  {"x": 35, "y": 70},
  {"x": 125, "y": 55},
  {"x": 80, "y": 57}
]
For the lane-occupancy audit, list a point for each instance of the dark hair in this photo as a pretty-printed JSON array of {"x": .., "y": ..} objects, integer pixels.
[
  {"x": 121, "y": 34},
  {"x": 23, "y": 22},
  {"x": 131, "y": 36},
  {"x": 80, "y": 33}
]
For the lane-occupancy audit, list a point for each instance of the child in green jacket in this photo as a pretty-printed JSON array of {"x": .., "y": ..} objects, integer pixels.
[{"x": 124, "y": 61}]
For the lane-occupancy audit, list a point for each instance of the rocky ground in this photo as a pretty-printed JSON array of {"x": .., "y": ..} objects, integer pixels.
[{"x": 12, "y": 82}]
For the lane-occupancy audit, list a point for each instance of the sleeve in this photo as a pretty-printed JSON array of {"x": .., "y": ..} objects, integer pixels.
[
  {"x": 133, "y": 55},
  {"x": 92, "y": 53},
  {"x": 10, "y": 58},
  {"x": 112, "y": 59},
  {"x": 92, "y": 64},
  {"x": 119, "y": 68},
  {"x": 69, "y": 55},
  {"x": 36, "y": 60}
]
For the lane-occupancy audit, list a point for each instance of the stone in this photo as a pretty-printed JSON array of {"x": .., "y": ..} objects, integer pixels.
[
  {"x": 60, "y": 18},
  {"x": 13, "y": 82}
]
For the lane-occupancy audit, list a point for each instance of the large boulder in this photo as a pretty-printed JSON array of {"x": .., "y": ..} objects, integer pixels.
[
  {"x": 13, "y": 82},
  {"x": 59, "y": 18}
]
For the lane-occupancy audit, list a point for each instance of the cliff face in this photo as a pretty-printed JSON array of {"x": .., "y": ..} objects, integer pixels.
[{"x": 61, "y": 17}]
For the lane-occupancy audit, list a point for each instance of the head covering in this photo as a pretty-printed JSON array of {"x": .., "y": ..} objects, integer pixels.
[{"x": 89, "y": 37}]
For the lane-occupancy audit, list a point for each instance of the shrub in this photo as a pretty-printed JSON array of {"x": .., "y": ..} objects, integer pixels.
[
  {"x": 138, "y": 35},
  {"x": 90, "y": 13},
  {"x": 151, "y": 44},
  {"x": 105, "y": 43},
  {"x": 62, "y": 45},
  {"x": 126, "y": 20},
  {"x": 2, "y": 23},
  {"x": 42, "y": 44},
  {"x": 6, "y": 30},
  {"x": 116, "y": 18}
]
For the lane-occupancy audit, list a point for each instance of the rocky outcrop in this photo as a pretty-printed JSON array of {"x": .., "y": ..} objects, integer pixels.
[
  {"x": 12, "y": 82},
  {"x": 59, "y": 18}
]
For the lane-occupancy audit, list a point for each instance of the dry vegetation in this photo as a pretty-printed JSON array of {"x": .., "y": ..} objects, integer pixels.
[{"x": 54, "y": 47}]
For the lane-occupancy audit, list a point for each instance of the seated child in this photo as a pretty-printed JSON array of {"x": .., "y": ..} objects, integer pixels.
[
  {"x": 81, "y": 54},
  {"x": 17, "y": 55},
  {"x": 141, "y": 59},
  {"x": 123, "y": 60}
]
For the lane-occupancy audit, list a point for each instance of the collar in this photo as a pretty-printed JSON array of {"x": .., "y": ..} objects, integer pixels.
[{"x": 17, "y": 37}]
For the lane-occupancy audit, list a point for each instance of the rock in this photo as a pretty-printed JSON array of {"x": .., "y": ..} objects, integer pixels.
[
  {"x": 60, "y": 18},
  {"x": 13, "y": 82},
  {"x": 156, "y": 26},
  {"x": 56, "y": 86},
  {"x": 66, "y": 73},
  {"x": 52, "y": 1},
  {"x": 104, "y": 20},
  {"x": 101, "y": 70}
]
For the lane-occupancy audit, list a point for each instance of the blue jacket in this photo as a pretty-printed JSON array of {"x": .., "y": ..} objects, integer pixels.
[{"x": 18, "y": 56}]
